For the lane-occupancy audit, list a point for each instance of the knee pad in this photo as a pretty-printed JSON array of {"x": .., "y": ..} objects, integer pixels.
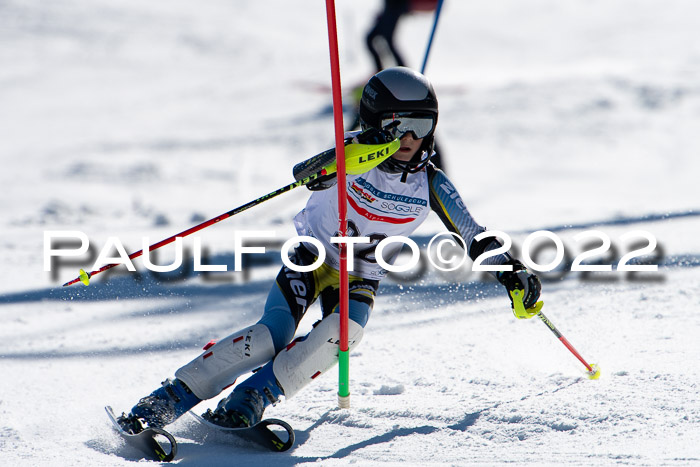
[
  {"x": 219, "y": 365},
  {"x": 303, "y": 361}
]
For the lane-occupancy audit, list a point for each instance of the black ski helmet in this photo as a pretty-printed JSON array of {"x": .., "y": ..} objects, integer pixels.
[{"x": 400, "y": 89}]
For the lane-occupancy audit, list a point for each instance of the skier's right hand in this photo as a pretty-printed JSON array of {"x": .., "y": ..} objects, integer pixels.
[{"x": 374, "y": 136}]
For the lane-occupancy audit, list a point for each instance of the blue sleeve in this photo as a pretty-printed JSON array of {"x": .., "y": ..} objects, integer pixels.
[{"x": 446, "y": 202}]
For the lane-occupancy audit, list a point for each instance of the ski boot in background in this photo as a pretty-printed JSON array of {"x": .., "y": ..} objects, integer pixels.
[
  {"x": 243, "y": 408},
  {"x": 240, "y": 415}
]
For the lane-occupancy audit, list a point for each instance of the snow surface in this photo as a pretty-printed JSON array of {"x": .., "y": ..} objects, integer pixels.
[{"x": 135, "y": 119}]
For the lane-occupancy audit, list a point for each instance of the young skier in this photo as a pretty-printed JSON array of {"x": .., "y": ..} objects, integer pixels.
[{"x": 392, "y": 199}]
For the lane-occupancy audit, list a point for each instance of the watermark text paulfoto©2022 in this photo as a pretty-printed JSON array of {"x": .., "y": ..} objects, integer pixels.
[{"x": 445, "y": 252}]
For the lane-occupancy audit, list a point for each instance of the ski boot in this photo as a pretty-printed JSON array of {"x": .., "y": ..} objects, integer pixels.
[
  {"x": 162, "y": 407},
  {"x": 243, "y": 408}
]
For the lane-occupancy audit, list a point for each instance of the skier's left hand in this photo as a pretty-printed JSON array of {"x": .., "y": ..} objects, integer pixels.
[{"x": 521, "y": 278}]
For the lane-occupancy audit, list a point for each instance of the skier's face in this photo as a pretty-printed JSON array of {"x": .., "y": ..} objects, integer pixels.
[{"x": 409, "y": 147}]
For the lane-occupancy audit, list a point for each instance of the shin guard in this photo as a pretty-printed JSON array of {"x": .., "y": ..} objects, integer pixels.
[
  {"x": 220, "y": 365},
  {"x": 304, "y": 360}
]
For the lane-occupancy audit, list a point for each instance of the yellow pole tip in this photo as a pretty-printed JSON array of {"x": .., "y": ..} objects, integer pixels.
[
  {"x": 84, "y": 277},
  {"x": 595, "y": 372}
]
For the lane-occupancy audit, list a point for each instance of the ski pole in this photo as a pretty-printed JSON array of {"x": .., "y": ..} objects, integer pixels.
[
  {"x": 432, "y": 35},
  {"x": 359, "y": 158},
  {"x": 517, "y": 294}
]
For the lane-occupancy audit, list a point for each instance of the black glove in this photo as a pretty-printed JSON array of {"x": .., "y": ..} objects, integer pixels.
[
  {"x": 374, "y": 136},
  {"x": 520, "y": 278}
]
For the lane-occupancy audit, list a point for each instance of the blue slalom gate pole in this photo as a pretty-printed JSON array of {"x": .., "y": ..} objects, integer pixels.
[{"x": 432, "y": 34}]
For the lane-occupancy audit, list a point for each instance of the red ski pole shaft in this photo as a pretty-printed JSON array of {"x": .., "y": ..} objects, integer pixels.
[
  {"x": 563, "y": 340},
  {"x": 520, "y": 311},
  {"x": 205, "y": 224}
]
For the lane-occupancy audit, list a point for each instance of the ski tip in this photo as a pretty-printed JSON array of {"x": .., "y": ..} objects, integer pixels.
[
  {"x": 84, "y": 277},
  {"x": 595, "y": 371}
]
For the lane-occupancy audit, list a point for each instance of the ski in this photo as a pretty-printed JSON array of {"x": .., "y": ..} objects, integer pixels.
[
  {"x": 260, "y": 433},
  {"x": 149, "y": 441}
]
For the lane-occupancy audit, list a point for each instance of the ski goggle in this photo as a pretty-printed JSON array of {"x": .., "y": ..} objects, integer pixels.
[{"x": 421, "y": 125}]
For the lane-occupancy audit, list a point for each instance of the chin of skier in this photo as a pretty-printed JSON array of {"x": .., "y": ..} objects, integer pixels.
[{"x": 393, "y": 198}]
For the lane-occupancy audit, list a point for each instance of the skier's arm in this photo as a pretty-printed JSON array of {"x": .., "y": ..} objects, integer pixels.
[{"x": 448, "y": 205}]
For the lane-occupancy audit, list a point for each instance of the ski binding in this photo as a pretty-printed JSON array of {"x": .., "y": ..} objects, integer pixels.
[{"x": 156, "y": 443}]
